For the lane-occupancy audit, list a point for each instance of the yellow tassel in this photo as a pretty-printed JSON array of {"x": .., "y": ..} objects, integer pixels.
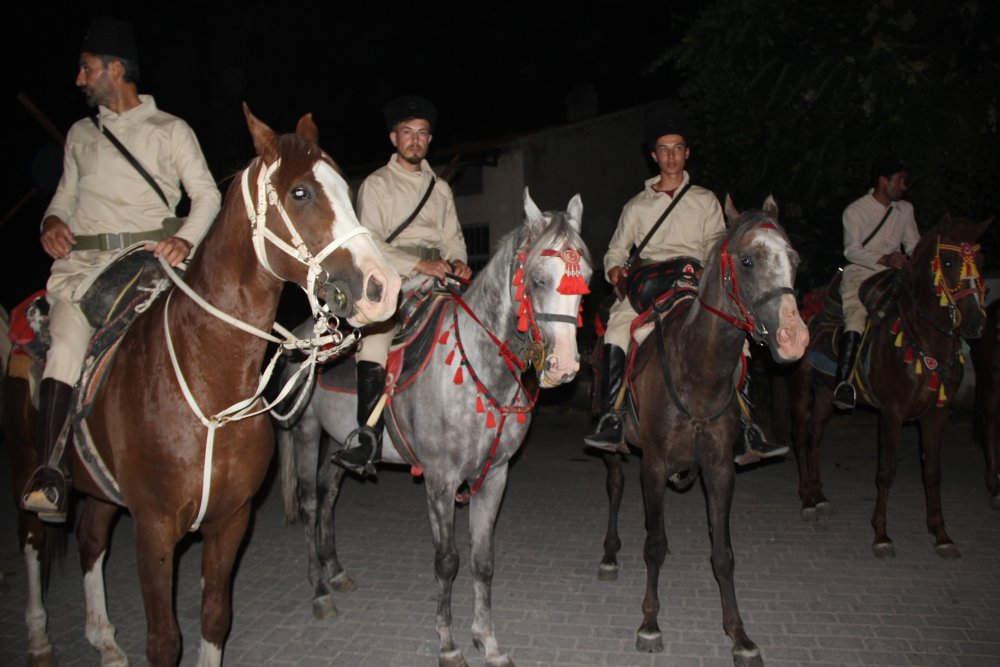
[
  {"x": 899, "y": 339},
  {"x": 919, "y": 368}
]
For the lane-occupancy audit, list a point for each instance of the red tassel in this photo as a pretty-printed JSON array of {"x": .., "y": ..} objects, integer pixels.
[
  {"x": 444, "y": 337},
  {"x": 479, "y": 404},
  {"x": 450, "y": 358},
  {"x": 895, "y": 327},
  {"x": 458, "y": 375},
  {"x": 522, "y": 317},
  {"x": 908, "y": 355},
  {"x": 573, "y": 283},
  {"x": 417, "y": 470},
  {"x": 522, "y": 417},
  {"x": 519, "y": 296},
  {"x": 490, "y": 422},
  {"x": 933, "y": 381},
  {"x": 519, "y": 276}
]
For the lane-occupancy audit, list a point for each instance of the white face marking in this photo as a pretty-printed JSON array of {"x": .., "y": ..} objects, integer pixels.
[
  {"x": 337, "y": 193},
  {"x": 778, "y": 263}
]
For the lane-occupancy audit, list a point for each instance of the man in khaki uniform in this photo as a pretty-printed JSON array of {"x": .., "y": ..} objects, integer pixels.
[
  {"x": 430, "y": 244},
  {"x": 690, "y": 230},
  {"x": 102, "y": 205}
]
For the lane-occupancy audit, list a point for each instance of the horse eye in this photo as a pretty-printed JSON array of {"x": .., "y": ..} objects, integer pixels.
[
  {"x": 746, "y": 261},
  {"x": 948, "y": 263},
  {"x": 300, "y": 192},
  {"x": 538, "y": 280}
]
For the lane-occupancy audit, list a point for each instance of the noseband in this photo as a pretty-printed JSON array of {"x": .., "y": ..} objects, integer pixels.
[
  {"x": 749, "y": 321},
  {"x": 268, "y": 196}
]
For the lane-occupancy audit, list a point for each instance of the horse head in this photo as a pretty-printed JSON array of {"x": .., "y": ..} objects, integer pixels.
[
  {"x": 305, "y": 228},
  {"x": 554, "y": 267},
  {"x": 955, "y": 258},
  {"x": 758, "y": 267}
]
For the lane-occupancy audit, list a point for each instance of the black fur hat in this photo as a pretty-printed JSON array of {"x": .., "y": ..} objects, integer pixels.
[
  {"x": 407, "y": 107},
  {"x": 108, "y": 36}
]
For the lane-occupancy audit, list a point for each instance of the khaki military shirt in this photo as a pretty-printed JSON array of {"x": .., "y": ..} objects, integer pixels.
[
  {"x": 861, "y": 218},
  {"x": 390, "y": 194}
]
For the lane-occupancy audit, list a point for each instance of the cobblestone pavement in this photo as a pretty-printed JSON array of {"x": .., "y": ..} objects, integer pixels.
[{"x": 810, "y": 593}]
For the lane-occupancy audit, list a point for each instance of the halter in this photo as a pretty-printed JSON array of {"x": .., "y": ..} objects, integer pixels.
[
  {"x": 268, "y": 196},
  {"x": 731, "y": 289},
  {"x": 950, "y": 296}
]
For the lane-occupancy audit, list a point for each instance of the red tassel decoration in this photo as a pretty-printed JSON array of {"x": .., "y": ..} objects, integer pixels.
[
  {"x": 522, "y": 417},
  {"x": 417, "y": 470},
  {"x": 572, "y": 281},
  {"x": 450, "y": 358},
  {"x": 444, "y": 337},
  {"x": 895, "y": 327},
  {"x": 908, "y": 355},
  {"x": 479, "y": 404},
  {"x": 519, "y": 295},
  {"x": 522, "y": 317},
  {"x": 933, "y": 381},
  {"x": 458, "y": 376},
  {"x": 490, "y": 422}
]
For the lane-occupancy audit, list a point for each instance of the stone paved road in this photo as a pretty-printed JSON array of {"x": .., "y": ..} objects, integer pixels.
[{"x": 810, "y": 594}]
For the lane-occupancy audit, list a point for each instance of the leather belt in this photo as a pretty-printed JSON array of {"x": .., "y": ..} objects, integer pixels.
[
  {"x": 421, "y": 251},
  {"x": 115, "y": 241}
]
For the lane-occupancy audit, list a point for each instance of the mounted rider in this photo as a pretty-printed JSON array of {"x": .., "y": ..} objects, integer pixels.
[
  {"x": 102, "y": 205},
  {"x": 411, "y": 214},
  {"x": 880, "y": 233},
  {"x": 671, "y": 219}
]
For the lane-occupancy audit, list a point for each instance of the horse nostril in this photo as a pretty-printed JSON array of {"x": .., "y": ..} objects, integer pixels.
[{"x": 374, "y": 290}]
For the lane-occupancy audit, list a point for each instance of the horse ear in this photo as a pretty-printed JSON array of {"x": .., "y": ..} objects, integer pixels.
[
  {"x": 306, "y": 128},
  {"x": 731, "y": 213},
  {"x": 771, "y": 207},
  {"x": 981, "y": 226},
  {"x": 575, "y": 211},
  {"x": 265, "y": 140},
  {"x": 533, "y": 217}
]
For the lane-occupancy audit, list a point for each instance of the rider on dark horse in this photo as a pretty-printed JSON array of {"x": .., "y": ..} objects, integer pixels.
[
  {"x": 412, "y": 217},
  {"x": 693, "y": 222},
  {"x": 876, "y": 227},
  {"x": 102, "y": 205}
]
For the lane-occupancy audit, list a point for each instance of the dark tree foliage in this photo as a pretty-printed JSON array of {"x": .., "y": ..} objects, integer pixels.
[{"x": 794, "y": 98}]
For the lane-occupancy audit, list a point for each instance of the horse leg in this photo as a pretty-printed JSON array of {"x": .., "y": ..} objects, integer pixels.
[
  {"x": 931, "y": 437},
  {"x": 156, "y": 539},
  {"x": 615, "y": 485},
  {"x": 441, "y": 511},
  {"x": 331, "y": 476},
  {"x": 33, "y": 544},
  {"x": 888, "y": 443},
  {"x": 989, "y": 444},
  {"x": 718, "y": 481},
  {"x": 93, "y": 532},
  {"x": 822, "y": 411},
  {"x": 218, "y": 553},
  {"x": 654, "y": 484},
  {"x": 482, "y": 519}
]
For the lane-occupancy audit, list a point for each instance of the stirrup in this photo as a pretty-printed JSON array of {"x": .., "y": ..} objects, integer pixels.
[
  {"x": 844, "y": 396},
  {"x": 608, "y": 435},
  {"x": 756, "y": 447},
  {"x": 359, "y": 453},
  {"x": 46, "y": 495}
]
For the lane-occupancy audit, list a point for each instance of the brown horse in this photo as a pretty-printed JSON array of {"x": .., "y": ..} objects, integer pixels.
[
  {"x": 197, "y": 352},
  {"x": 986, "y": 362},
  {"x": 683, "y": 411},
  {"x": 909, "y": 367}
]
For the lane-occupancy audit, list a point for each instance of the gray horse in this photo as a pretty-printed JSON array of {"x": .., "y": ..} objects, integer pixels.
[{"x": 460, "y": 416}]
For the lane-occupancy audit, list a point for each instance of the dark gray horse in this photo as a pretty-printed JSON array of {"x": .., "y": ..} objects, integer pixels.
[{"x": 461, "y": 418}]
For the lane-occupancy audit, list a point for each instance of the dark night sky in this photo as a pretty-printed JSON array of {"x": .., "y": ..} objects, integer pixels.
[{"x": 491, "y": 73}]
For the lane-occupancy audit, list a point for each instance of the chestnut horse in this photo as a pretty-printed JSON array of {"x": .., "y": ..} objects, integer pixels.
[
  {"x": 198, "y": 351},
  {"x": 985, "y": 354},
  {"x": 460, "y": 418},
  {"x": 682, "y": 406},
  {"x": 909, "y": 366}
]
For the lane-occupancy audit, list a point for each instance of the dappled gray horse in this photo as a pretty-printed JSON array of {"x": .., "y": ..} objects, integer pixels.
[{"x": 457, "y": 412}]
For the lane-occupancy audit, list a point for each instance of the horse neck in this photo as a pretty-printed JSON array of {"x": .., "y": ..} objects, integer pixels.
[
  {"x": 923, "y": 304},
  {"x": 226, "y": 273},
  {"x": 703, "y": 334}
]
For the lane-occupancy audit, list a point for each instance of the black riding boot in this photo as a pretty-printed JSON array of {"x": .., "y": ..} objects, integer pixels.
[
  {"x": 751, "y": 445},
  {"x": 363, "y": 448},
  {"x": 47, "y": 491},
  {"x": 608, "y": 435},
  {"x": 844, "y": 396}
]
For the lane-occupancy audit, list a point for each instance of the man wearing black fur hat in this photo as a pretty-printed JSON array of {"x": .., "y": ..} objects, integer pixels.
[
  {"x": 102, "y": 205},
  {"x": 411, "y": 214},
  {"x": 876, "y": 227},
  {"x": 690, "y": 229}
]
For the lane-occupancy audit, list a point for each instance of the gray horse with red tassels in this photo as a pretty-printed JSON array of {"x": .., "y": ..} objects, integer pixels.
[{"x": 458, "y": 406}]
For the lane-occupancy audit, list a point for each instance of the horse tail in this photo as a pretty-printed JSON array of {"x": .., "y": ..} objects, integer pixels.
[{"x": 289, "y": 478}]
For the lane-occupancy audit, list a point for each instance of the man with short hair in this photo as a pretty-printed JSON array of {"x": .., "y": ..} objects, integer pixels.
[
  {"x": 412, "y": 217},
  {"x": 103, "y": 204},
  {"x": 689, "y": 231},
  {"x": 880, "y": 232}
]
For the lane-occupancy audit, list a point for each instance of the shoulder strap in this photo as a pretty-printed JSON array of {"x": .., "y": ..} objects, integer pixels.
[
  {"x": 131, "y": 160},
  {"x": 875, "y": 231},
  {"x": 634, "y": 257},
  {"x": 403, "y": 225}
]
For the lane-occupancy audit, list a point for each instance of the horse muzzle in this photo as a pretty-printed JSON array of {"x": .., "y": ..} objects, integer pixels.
[
  {"x": 554, "y": 373},
  {"x": 338, "y": 297}
]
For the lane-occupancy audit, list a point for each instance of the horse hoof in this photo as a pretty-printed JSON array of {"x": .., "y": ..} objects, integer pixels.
[
  {"x": 607, "y": 572},
  {"x": 324, "y": 607},
  {"x": 995, "y": 502},
  {"x": 947, "y": 550},
  {"x": 884, "y": 550},
  {"x": 649, "y": 642},
  {"x": 343, "y": 583},
  {"x": 744, "y": 658},
  {"x": 810, "y": 514},
  {"x": 46, "y": 659},
  {"x": 452, "y": 659},
  {"x": 824, "y": 507},
  {"x": 499, "y": 661}
]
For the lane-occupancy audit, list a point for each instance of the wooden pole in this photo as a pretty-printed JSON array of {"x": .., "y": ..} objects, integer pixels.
[{"x": 41, "y": 118}]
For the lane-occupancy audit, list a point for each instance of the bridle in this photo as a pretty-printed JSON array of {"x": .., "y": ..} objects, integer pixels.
[
  {"x": 746, "y": 319},
  {"x": 950, "y": 296}
]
